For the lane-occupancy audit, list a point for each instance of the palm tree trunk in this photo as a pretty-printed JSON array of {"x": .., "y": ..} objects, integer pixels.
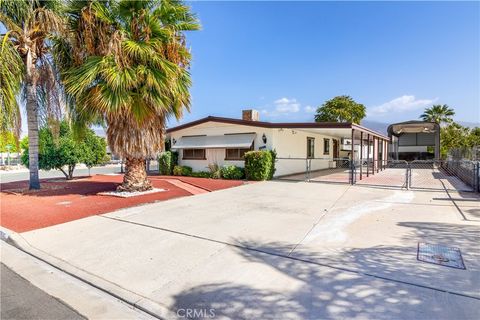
[
  {"x": 32, "y": 121},
  {"x": 135, "y": 178}
]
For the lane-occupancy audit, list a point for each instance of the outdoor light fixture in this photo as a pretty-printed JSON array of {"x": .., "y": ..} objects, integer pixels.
[
  {"x": 174, "y": 141},
  {"x": 264, "y": 138}
]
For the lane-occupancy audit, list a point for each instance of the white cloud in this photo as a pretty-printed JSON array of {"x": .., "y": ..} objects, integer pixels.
[
  {"x": 286, "y": 109},
  {"x": 401, "y": 104},
  {"x": 286, "y": 105},
  {"x": 309, "y": 109}
]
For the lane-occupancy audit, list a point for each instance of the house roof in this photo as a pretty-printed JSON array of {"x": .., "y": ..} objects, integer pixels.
[
  {"x": 413, "y": 126},
  {"x": 289, "y": 125}
]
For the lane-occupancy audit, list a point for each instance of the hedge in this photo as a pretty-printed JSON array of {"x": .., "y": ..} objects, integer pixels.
[
  {"x": 201, "y": 174},
  {"x": 260, "y": 165},
  {"x": 167, "y": 161},
  {"x": 232, "y": 172},
  {"x": 182, "y": 171}
]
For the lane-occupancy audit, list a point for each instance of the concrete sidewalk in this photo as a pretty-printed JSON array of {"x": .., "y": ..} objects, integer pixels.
[{"x": 278, "y": 250}]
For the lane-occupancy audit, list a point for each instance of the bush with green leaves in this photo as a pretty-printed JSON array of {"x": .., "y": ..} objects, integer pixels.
[
  {"x": 182, "y": 171},
  {"x": 63, "y": 152},
  {"x": 232, "y": 172},
  {"x": 93, "y": 149},
  {"x": 259, "y": 165},
  {"x": 201, "y": 174},
  {"x": 215, "y": 171},
  {"x": 272, "y": 164},
  {"x": 167, "y": 161}
]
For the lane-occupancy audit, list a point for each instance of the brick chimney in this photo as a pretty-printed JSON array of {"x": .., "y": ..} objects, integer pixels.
[{"x": 250, "y": 115}]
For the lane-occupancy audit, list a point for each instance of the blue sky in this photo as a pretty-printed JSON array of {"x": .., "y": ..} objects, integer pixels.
[{"x": 286, "y": 58}]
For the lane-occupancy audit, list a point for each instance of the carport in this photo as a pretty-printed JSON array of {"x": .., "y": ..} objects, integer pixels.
[
  {"x": 414, "y": 140},
  {"x": 358, "y": 153}
]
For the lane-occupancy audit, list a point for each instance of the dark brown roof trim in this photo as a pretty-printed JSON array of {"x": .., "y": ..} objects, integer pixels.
[{"x": 288, "y": 125}]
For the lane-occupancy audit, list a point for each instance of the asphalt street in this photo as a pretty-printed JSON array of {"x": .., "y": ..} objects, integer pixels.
[{"x": 21, "y": 300}]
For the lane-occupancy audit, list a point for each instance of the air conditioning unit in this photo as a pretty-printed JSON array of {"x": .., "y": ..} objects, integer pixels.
[{"x": 346, "y": 144}]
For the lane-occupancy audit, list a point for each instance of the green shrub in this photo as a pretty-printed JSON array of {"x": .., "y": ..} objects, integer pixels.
[
  {"x": 272, "y": 165},
  {"x": 167, "y": 161},
  {"x": 215, "y": 171},
  {"x": 232, "y": 172},
  {"x": 201, "y": 174},
  {"x": 182, "y": 171},
  {"x": 260, "y": 165},
  {"x": 62, "y": 151}
]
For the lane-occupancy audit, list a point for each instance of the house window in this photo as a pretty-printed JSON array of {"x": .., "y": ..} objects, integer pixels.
[
  {"x": 310, "y": 147},
  {"x": 194, "y": 154},
  {"x": 326, "y": 146},
  {"x": 235, "y": 153}
]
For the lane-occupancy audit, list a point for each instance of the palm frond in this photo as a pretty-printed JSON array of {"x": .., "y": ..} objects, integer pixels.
[{"x": 130, "y": 67}]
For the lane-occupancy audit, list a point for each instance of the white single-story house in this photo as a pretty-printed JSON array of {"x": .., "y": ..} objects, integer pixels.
[{"x": 225, "y": 140}]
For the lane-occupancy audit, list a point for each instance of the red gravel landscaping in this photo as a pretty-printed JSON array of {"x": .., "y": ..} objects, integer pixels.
[{"x": 61, "y": 201}]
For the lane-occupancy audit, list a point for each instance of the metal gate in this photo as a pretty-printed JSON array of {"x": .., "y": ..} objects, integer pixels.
[
  {"x": 386, "y": 173},
  {"x": 458, "y": 175},
  {"x": 336, "y": 170}
]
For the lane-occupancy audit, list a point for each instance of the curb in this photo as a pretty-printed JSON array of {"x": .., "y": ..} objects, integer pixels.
[{"x": 139, "y": 302}]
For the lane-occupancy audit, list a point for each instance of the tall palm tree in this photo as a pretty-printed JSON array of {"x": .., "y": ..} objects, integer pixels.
[
  {"x": 126, "y": 64},
  {"x": 441, "y": 114},
  {"x": 29, "y": 24}
]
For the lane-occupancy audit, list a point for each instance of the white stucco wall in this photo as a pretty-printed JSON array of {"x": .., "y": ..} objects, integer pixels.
[
  {"x": 218, "y": 155},
  {"x": 292, "y": 143},
  {"x": 287, "y": 142}
]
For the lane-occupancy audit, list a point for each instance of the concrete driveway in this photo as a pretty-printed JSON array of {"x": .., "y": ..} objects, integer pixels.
[{"x": 279, "y": 250}]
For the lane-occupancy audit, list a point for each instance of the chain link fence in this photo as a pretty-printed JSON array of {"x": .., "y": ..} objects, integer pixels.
[
  {"x": 335, "y": 170},
  {"x": 464, "y": 153},
  {"x": 459, "y": 175},
  {"x": 385, "y": 173}
]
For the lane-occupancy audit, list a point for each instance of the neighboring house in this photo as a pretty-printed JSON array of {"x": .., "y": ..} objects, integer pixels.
[
  {"x": 225, "y": 141},
  {"x": 414, "y": 140}
]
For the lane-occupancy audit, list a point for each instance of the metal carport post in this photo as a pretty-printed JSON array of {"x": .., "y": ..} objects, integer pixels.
[{"x": 352, "y": 165}]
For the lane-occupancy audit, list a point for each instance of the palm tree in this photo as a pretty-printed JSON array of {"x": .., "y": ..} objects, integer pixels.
[
  {"x": 29, "y": 24},
  {"x": 440, "y": 114},
  {"x": 126, "y": 64},
  {"x": 11, "y": 71}
]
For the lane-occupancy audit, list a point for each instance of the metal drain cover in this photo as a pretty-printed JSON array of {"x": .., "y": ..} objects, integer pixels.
[{"x": 442, "y": 255}]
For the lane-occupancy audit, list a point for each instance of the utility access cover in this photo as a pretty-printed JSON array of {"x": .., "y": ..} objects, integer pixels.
[{"x": 442, "y": 255}]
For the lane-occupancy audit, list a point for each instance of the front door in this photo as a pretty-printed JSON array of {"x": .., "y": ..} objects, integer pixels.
[{"x": 335, "y": 148}]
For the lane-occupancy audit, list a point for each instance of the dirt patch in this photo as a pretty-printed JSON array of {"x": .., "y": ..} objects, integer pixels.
[{"x": 61, "y": 201}]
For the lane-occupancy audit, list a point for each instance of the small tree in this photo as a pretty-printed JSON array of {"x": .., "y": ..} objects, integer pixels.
[
  {"x": 64, "y": 152},
  {"x": 94, "y": 150},
  {"x": 341, "y": 109},
  {"x": 452, "y": 137}
]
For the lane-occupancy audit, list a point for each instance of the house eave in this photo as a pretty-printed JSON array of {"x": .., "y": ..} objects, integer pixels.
[{"x": 286, "y": 125}]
